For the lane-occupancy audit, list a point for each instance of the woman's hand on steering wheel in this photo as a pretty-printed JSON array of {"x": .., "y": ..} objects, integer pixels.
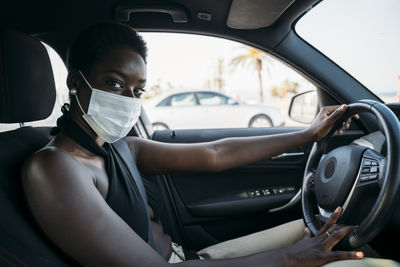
[
  {"x": 317, "y": 250},
  {"x": 325, "y": 120}
]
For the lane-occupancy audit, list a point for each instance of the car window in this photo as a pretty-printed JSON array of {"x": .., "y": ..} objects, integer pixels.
[
  {"x": 165, "y": 102},
  {"x": 362, "y": 37},
  {"x": 206, "y": 98},
  {"x": 241, "y": 86},
  {"x": 60, "y": 74},
  {"x": 185, "y": 99}
]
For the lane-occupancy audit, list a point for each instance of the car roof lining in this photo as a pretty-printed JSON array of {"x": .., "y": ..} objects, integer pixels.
[{"x": 57, "y": 23}]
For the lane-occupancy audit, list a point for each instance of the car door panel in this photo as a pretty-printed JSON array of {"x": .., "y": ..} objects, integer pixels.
[{"x": 213, "y": 207}]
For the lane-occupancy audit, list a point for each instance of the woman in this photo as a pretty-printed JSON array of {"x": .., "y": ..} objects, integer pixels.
[{"x": 86, "y": 201}]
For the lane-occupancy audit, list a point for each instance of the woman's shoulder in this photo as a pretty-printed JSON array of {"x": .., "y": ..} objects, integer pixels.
[
  {"x": 51, "y": 163},
  {"x": 49, "y": 154}
]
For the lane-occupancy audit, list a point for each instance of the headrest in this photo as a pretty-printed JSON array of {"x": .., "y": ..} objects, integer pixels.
[{"x": 27, "y": 89}]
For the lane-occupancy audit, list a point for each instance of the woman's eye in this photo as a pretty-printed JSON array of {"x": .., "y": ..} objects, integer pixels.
[
  {"x": 115, "y": 84},
  {"x": 139, "y": 91}
]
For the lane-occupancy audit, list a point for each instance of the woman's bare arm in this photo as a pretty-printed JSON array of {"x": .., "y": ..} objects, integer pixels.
[{"x": 156, "y": 157}]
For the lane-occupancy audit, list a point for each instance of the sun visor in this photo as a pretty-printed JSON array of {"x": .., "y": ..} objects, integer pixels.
[{"x": 255, "y": 14}]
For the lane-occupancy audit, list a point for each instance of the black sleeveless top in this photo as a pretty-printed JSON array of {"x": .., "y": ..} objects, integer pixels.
[{"x": 126, "y": 194}]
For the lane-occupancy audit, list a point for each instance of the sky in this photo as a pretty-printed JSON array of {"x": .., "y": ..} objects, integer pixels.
[{"x": 362, "y": 36}]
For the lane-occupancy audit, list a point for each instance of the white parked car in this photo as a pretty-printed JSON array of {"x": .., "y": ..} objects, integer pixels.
[{"x": 208, "y": 109}]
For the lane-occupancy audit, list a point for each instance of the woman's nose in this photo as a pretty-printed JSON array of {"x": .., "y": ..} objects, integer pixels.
[{"x": 128, "y": 92}]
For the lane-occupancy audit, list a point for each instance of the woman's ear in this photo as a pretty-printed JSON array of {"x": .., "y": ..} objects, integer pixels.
[{"x": 73, "y": 81}]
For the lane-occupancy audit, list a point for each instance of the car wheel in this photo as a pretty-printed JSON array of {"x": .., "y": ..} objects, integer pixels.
[
  {"x": 158, "y": 126},
  {"x": 260, "y": 120}
]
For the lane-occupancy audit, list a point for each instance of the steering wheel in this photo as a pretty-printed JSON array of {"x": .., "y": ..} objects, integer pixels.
[{"x": 361, "y": 180}]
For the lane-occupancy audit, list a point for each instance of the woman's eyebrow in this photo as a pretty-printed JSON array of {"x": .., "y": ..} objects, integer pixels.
[
  {"x": 120, "y": 73},
  {"x": 123, "y": 75}
]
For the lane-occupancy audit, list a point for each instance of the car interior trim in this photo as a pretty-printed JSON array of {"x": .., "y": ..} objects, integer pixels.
[
  {"x": 178, "y": 15},
  {"x": 294, "y": 201},
  {"x": 288, "y": 155}
]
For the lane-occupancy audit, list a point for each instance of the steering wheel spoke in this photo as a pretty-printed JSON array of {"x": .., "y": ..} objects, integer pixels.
[
  {"x": 310, "y": 177},
  {"x": 324, "y": 215},
  {"x": 371, "y": 168}
]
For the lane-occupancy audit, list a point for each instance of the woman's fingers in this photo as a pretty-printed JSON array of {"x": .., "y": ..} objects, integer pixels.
[
  {"x": 307, "y": 233},
  {"x": 332, "y": 220},
  {"x": 331, "y": 229},
  {"x": 326, "y": 118},
  {"x": 345, "y": 255},
  {"x": 337, "y": 235},
  {"x": 335, "y": 112},
  {"x": 346, "y": 124}
]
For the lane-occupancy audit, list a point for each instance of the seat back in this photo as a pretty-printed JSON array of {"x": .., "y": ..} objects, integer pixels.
[{"x": 27, "y": 93}]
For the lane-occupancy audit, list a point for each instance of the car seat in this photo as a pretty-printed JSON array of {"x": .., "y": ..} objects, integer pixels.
[{"x": 27, "y": 93}]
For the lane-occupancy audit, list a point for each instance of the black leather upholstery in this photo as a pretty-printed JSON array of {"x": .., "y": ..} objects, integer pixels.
[
  {"x": 27, "y": 90},
  {"x": 20, "y": 238},
  {"x": 27, "y": 93}
]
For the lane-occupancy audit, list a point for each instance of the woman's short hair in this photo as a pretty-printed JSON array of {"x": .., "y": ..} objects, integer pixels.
[{"x": 97, "y": 40}]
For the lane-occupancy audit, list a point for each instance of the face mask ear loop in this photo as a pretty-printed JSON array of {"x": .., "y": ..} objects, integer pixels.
[
  {"x": 79, "y": 104},
  {"x": 86, "y": 81},
  {"x": 76, "y": 95}
]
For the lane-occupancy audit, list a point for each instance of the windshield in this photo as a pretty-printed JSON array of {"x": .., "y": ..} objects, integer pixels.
[{"x": 361, "y": 36}]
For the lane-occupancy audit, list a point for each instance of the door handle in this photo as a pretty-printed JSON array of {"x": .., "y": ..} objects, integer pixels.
[
  {"x": 178, "y": 15},
  {"x": 291, "y": 203},
  {"x": 288, "y": 155}
]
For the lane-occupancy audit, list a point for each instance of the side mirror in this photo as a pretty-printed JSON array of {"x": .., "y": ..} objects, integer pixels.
[{"x": 304, "y": 107}]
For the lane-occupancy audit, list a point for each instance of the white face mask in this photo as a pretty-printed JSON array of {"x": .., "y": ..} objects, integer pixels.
[{"x": 111, "y": 116}]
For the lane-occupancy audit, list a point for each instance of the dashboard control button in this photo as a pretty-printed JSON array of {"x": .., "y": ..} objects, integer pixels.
[
  {"x": 374, "y": 169},
  {"x": 373, "y": 177},
  {"x": 266, "y": 192},
  {"x": 251, "y": 194},
  {"x": 365, "y": 170}
]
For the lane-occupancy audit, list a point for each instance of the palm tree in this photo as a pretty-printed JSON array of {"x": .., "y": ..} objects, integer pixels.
[
  {"x": 218, "y": 79},
  {"x": 256, "y": 60}
]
